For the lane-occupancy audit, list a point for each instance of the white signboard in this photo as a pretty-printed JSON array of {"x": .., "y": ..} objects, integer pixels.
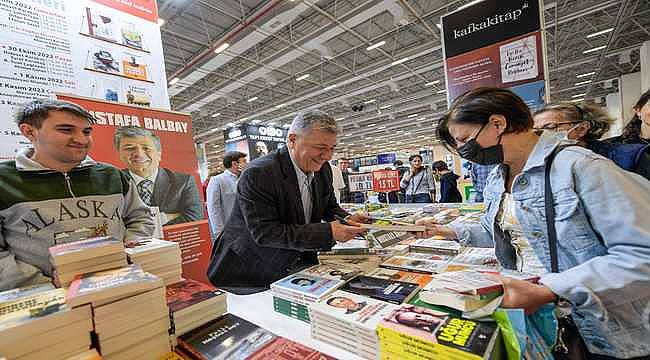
[
  {"x": 79, "y": 47},
  {"x": 360, "y": 182}
]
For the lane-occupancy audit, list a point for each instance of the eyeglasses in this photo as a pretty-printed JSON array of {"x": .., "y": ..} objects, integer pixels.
[{"x": 554, "y": 126}]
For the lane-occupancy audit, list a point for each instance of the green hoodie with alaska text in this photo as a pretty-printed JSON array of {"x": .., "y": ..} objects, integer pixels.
[{"x": 41, "y": 207}]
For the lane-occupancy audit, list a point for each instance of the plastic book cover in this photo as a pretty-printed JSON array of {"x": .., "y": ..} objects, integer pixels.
[
  {"x": 225, "y": 338},
  {"x": 355, "y": 309},
  {"x": 189, "y": 292},
  {"x": 13, "y": 294},
  {"x": 439, "y": 328},
  {"x": 309, "y": 285},
  {"x": 392, "y": 291},
  {"x": 285, "y": 349},
  {"x": 104, "y": 280},
  {"x": 77, "y": 246},
  {"x": 30, "y": 307}
]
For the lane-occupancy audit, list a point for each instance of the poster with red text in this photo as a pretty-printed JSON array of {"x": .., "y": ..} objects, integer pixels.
[{"x": 385, "y": 180}]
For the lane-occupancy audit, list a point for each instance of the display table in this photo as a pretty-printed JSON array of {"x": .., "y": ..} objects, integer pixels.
[{"x": 258, "y": 309}]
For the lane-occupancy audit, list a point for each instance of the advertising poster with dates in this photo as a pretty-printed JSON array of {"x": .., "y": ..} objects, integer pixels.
[
  {"x": 104, "y": 49},
  {"x": 496, "y": 43}
]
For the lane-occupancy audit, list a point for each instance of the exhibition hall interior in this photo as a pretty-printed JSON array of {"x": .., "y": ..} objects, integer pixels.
[{"x": 324, "y": 179}]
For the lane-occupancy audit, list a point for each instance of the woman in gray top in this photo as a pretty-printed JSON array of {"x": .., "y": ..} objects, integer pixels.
[{"x": 417, "y": 183}]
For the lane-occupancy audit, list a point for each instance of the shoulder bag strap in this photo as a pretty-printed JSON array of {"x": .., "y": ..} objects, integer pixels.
[{"x": 550, "y": 209}]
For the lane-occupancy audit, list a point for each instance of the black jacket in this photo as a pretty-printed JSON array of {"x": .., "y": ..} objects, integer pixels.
[
  {"x": 266, "y": 235},
  {"x": 449, "y": 189}
]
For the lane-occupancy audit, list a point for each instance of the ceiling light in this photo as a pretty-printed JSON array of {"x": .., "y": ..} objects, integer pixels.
[
  {"x": 271, "y": 123},
  {"x": 371, "y": 125},
  {"x": 376, "y": 45},
  {"x": 600, "y": 32},
  {"x": 330, "y": 87},
  {"x": 381, "y": 127},
  {"x": 442, "y": 91},
  {"x": 594, "y": 49},
  {"x": 400, "y": 61},
  {"x": 161, "y": 21},
  {"x": 412, "y": 116},
  {"x": 385, "y": 107},
  {"x": 221, "y": 48},
  {"x": 432, "y": 83},
  {"x": 215, "y": 115},
  {"x": 230, "y": 124},
  {"x": 256, "y": 122},
  {"x": 340, "y": 119},
  {"x": 578, "y": 95},
  {"x": 280, "y": 106},
  {"x": 469, "y": 4},
  {"x": 439, "y": 26},
  {"x": 302, "y": 77},
  {"x": 174, "y": 81},
  {"x": 583, "y": 83},
  {"x": 586, "y": 74},
  {"x": 370, "y": 101},
  {"x": 578, "y": 100},
  {"x": 244, "y": 119},
  {"x": 253, "y": 99},
  {"x": 286, "y": 126}
]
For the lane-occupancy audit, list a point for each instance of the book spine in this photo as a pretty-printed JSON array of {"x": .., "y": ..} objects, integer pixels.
[{"x": 189, "y": 349}]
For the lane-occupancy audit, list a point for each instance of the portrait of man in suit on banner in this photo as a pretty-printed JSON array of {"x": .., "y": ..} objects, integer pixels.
[{"x": 174, "y": 193}]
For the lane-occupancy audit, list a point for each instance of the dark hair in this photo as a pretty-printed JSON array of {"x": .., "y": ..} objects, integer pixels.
[
  {"x": 331, "y": 300},
  {"x": 231, "y": 156},
  {"x": 415, "y": 156},
  {"x": 299, "y": 279},
  {"x": 439, "y": 165},
  {"x": 632, "y": 131},
  {"x": 134, "y": 131},
  {"x": 398, "y": 163},
  {"x": 35, "y": 112},
  {"x": 476, "y": 106}
]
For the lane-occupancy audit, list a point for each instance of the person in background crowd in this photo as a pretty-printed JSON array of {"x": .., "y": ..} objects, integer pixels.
[
  {"x": 175, "y": 194},
  {"x": 54, "y": 190},
  {"x": 337, "y": 182},
  {"x": 448, "y": 183},
  {"x": 204, "y": 184},
  {"x": 479, "y": 174},
  {"x": 586, "y": 124},
  {"x": 285, "y": 211},
  {"x": 601, "y": 222},
  {"x": 399, "y": 166},
  {"x": 418, "y": 184},
  {"x": 637, "y": 131},
  {"x": 222, "y": 189}
]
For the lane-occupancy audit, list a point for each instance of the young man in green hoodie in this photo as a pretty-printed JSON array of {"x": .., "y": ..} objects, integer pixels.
[{"x": 54, "y": 193}]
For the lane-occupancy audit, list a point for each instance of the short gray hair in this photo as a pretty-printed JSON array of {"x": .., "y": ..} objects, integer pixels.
[
  {"x": 313, "y": 120},
  {"x": 597, "y": 117},
  {"x": 134, "y": 131}
]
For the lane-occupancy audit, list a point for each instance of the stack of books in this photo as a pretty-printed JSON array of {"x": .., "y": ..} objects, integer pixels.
[
  {"x": 474, "y": 282},
  {"x": 428, "y": 264},
  {"x": 331, "y": 271},
  {"x": 293, "y": 294},
  {"x": 407, "y": 276},
  {"x": 192, "y": 304},
  {"x": 436, "y": 245},
  {"x": 454, "y": 300},
  {"x": 415, "y": 333},
  {"x": 225, "y": 338},
  {"x": 392, "y": 291},
  {"x": 130, "y": 312},
  {"x": 474, "y": 258},
  {"x": 79, "y": 257},
  {"x": 36, "y": 323},
  {"x": 364, "y": 263},
  {"x": 349, "y": 321},
  {"x": 159, "y": 257}
]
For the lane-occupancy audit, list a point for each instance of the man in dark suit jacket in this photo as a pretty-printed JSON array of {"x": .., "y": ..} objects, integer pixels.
[
  {"x": 276, "y": 227},
  {"x": 174, "y": 193}
]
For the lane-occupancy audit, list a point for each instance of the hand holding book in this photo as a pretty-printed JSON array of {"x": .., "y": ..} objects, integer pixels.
[
  {"x": 524, "y": 294},
  {"x": 432, "y": 228}
]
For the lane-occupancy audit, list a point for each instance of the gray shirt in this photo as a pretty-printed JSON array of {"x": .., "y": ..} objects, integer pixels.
[
  {"x": 220, "y": 194},
  {"x": 421, "y": 183},
  {"x": 304, "y": 183}
]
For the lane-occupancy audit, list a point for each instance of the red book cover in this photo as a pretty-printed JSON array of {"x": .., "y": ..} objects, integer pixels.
[
  {"x": 189, "y": 292},
  {"x": 285, "y": 349}
]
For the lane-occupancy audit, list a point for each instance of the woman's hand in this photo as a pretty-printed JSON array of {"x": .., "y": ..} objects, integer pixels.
[
  {"x": 434, "y": 229},
  {"x": 523, "y": 294}
]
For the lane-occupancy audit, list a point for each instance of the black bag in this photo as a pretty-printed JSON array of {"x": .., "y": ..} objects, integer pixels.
[{"x": 570, "y": 345}]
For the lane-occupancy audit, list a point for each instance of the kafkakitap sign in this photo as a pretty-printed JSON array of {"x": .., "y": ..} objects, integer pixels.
[{"x": 488, "y": 22}]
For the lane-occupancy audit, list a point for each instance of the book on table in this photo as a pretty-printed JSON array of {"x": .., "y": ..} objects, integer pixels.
[{"x": 392, "y": 291}]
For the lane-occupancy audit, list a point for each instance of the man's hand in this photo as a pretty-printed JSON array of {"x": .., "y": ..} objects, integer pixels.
[
  {"x": 358, "y": 218},
  {"x": 433, "y": 229},
  {"x": 523, "y": 294},
  {"x": 343, "y": 233}
]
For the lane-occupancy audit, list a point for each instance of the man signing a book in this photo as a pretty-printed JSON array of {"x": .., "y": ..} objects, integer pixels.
[{"x": 284, "y": 212}]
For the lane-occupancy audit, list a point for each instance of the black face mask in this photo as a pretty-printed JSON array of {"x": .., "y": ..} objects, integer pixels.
[{"x": 475, "y": 153}]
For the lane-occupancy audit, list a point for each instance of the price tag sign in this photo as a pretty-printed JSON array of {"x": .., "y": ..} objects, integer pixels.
[
  {"x": 385, "y": 180},
  {"x": 360, "y": 182}
]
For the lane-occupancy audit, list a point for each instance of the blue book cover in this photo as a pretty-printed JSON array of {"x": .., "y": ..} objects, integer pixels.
[{"x": 309, "y": 285}]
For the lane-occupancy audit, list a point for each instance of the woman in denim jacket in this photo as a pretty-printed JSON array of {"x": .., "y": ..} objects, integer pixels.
[{"x": 601, "y": 218}]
